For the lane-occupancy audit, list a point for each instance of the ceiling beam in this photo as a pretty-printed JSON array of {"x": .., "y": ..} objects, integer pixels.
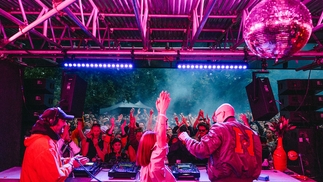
[
  {"x": 205, "y": 17},
  {"x": 142, "y": 25},
  {"x": 83, "y": 27},
  {"x": 41, "y": 19},
  {"x": 21, "y": 24},
  {"x": 143, "y": 53}
]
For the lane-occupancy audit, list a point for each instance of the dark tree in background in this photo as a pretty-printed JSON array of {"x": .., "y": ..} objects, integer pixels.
[
  {"x": 190, "y": 90},
  {"x": 108, "y": 87},
  {"x": 54, "y": 74}
]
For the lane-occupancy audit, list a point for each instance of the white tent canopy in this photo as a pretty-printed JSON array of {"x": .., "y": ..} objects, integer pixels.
[{"x": 123, "y": 106}]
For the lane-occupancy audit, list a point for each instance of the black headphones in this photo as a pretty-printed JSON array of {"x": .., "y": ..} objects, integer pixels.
[{"x": 54, "y": 121}]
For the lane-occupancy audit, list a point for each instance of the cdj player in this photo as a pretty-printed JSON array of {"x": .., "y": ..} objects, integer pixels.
[
  {"x": 185, "y": 170},
  {"x": 91, "y": 167},
  {"x": 124, "y": 170}
]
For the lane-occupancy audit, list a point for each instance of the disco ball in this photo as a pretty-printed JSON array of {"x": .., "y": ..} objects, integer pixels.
[{"x": 277, "y": 28}]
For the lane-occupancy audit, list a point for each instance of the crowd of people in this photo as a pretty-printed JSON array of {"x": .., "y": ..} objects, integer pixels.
[
  {"x": 232, "y": 146},
  {"x": 117, "y": 130}
]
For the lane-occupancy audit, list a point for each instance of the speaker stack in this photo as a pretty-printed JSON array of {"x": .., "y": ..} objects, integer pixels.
[
  {"x": 39, "y": 95},
  {"x": 300, "y": 102}
]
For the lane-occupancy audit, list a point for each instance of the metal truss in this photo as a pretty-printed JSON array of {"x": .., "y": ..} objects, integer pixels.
[{"x": 207, "y": 30}]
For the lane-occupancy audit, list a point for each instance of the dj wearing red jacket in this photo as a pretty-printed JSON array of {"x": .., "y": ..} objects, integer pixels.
[
  {"x": 42, "y": 160},
  {"x": 233, "y": 150}
]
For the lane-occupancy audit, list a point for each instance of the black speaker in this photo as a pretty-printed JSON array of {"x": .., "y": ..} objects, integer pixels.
[
  {"x": 39, "y": 101},
  {"x": 299, "y": 86},
  {"x": 73, "y": 94},
  {"x": 41, "y": 85},
  {"x": 261, "y": 99},
  {"x": 303, "y": 141},
  {"x": 302, "y": 102},
  {"x": 303, "y": 117}
]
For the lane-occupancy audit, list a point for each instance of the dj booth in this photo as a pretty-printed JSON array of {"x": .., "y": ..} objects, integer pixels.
[{"x": 13, "y": 175}]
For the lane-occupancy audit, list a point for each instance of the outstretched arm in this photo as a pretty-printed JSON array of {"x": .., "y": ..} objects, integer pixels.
[
  {"x": 112, "y": 122},
  {"x": 150, "y": 120},
  {"x": 162, "y": 104},
  {"x": 244, "y": 118},
  {"x": 197, "y": 120}
]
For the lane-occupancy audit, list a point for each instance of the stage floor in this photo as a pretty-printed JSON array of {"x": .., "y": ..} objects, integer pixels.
[{"x": 13, "y": 174}]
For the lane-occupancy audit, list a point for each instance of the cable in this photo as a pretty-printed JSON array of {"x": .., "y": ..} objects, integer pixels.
[
  {"x": 90, "y": 174},
  {"x": 59, "y": 103},
  {"x": 78, "y": 161},
  {"x": 307, "y": 88}
]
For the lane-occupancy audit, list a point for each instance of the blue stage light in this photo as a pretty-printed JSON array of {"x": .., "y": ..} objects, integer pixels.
[
  {"x": 222, "y": 65},
  {"x": 111, "y": 65}
]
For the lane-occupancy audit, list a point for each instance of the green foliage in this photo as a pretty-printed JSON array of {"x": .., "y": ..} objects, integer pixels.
[
  {"x": 107, "y": 87},
  {"x": 48, "y": 73},
  {"x": 190, "y": 90}
]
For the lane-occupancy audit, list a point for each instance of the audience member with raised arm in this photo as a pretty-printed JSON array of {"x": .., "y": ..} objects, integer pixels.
[
  {"x": 134, "y": 136},
  {"x": 42, "y": 160},
  {"x": 152, "y": 149},
  {"x": 233, "y": 149}
]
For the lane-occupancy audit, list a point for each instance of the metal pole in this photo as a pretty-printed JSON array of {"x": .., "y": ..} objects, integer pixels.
[
  {"x": 208, "y": 10},
  {"x": 139, "y": 22},
  {"x": 20, "y": 23},
  {"x": 85, "y": 30},
  {"x": 52, "y": 12}
]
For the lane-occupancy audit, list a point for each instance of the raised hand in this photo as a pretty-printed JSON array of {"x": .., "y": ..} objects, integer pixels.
[
  {"x": 123, "y": 125},
  {"x": 112, "y": 121},
  {"x": 244, "y": 118},
  {"x": 201, "y": 113},
  {"x": 151, "y": 112},
  {"x": 132, "y": 111},
  {"x": 184, "y": 120},
  {"x": 132, "y": 118},
  {"x": 162, "y": 102},
  {"x": 120, "y": 117},
  {"x": 176, "y": 120},
  {"x": 208, "y": 120}
]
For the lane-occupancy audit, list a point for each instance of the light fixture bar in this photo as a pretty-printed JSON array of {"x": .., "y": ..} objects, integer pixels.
[
  {"x": 213, "y": 66},
  {"x": 106, "y": 65}
]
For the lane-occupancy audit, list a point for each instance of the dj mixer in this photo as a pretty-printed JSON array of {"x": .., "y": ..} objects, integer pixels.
[
  {"x": 124, "y": 170},
  {"x": 185, "y": 170},
  {"x": 91, "y": 167}
]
